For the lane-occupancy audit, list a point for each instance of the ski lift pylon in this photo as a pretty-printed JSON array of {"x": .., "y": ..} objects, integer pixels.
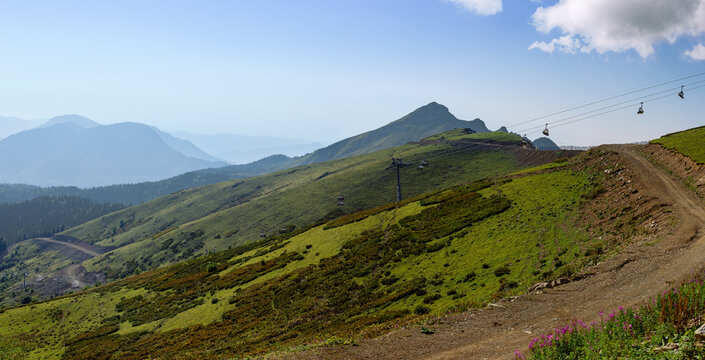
[
  {"x": 641, "y": 108},
  {"x": 681, "y": 94}
]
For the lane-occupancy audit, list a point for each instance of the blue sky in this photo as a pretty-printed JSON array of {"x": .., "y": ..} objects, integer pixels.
[{"x": 325, "y": 70}]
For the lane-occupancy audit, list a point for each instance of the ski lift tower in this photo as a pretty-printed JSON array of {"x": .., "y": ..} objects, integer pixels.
[{"x": 397, "y": 163}]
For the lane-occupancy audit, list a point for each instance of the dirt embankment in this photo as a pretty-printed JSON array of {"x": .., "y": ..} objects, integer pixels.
[
  {"x": 653, "y": 217},
  {"x": 678, "y": 165}
]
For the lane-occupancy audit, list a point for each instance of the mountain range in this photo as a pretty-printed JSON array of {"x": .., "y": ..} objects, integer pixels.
[
  {"x": 72, "y": 150},
  {"x": 118, "y": 184},
  {"x": 243, "y": 149}
]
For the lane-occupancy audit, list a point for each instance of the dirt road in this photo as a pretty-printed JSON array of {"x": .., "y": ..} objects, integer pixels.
[
  {"x": 630, "y": 278},
  {"x": 78, "y": 247}
]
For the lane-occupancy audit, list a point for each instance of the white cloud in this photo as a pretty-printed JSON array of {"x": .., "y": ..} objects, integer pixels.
[
  {"x": 482, "y": 7},
  {"x": 618, "y": 25},
  {"x": 697, "y": 53},
  {"x": 565, "y": 44}
]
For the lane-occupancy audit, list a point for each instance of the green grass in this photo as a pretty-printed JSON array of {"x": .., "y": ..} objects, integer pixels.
[
  {"x": 447, "y": 250},
  {"x": 689, "y": 143},
  {"x": 216, "y": 217},
  {"x": 11, "y": 349},
  {"x": 662, "y": 329},
  {"x": 459, "y": 134}
]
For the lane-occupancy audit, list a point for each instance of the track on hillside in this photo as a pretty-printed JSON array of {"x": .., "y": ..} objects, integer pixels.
[
  {"x": 84, "y": 249},
  {"x": 70, "y": 277},
  {"x": 632, "y": 277}
]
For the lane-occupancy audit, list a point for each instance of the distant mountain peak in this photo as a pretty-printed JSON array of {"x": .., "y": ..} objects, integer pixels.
[
  {"x": 434, "y": 104},
  {"x": 430, "y": 119},
  {"x": 544, "y": 143},
  {"x": 79, "y": 120}
]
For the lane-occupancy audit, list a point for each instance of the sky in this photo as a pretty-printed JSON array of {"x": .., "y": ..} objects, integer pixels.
[{"x": 325, "y": 70}]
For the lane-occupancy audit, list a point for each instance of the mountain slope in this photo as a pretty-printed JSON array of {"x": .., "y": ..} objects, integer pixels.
[
  {"x": 425, "y": 121},
  {"x": 350, "y": 278},
  {"x": 67, "y": 154},
  {"x": 236, "y": 212},
  {"x": 13, "y": 125},
  {"x": 133, "y": 194},
  {"x": 184, "y": 146}
]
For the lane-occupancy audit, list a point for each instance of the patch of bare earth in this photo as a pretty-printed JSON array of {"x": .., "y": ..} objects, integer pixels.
[
  {"x": 653, "y": 219},
  {"x": 678, "y": 165}
]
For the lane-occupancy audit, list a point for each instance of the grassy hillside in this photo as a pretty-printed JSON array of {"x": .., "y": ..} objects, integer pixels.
[
  {"x": 458, "y": 134},
  {"x": 132, "y": 194},
  {"x": 427, "y": 120},
  {"x": 688, "y": 142},
  {"x": 351, "y": 277},
  {"x": 219, "y": 216}
]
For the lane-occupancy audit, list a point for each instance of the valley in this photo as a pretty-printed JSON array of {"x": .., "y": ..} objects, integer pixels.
[{"x": 491, "y": 245}]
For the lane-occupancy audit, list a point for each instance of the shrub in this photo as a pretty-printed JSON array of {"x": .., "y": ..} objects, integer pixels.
[
  {"x": 431, "y": 298},
  {"x": 421, "y": 310},
  {"x": 501, "y": 271}
]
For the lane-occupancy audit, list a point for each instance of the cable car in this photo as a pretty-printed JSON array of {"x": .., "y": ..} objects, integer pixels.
[
  {"x": 681, "y": 93},
  {"x": 424, "y": 163},
  {"x": 641, "y": 108},
  {"x": 545, "y": 131},
  {"x": 341, "y": 200},
  {"x": 262, "y": 235}
]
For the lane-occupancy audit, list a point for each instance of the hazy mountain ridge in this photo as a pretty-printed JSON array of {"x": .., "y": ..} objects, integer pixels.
[
  {"x": 11, "y": 125},
  {"x": 244, "y": 149},
  {"x": 75, "y": 119},
  {"x": 68, "y": 154}
]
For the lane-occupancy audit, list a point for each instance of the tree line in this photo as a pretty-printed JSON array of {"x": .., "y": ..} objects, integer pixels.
[{"x": 47, "y": 215}]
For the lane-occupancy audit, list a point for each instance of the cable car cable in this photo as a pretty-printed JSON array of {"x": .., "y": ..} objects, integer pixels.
[{"x": 606, "y": 99}]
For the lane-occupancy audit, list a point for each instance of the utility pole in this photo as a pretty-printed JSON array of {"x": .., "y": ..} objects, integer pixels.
[{"x": 397, "y": 163}]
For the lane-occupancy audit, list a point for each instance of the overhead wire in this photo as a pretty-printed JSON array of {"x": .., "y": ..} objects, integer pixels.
[
  {"x": 606, "y": 99},
  {"x": 631, "y": 105},
  {"x": 668, "y": 91}
]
